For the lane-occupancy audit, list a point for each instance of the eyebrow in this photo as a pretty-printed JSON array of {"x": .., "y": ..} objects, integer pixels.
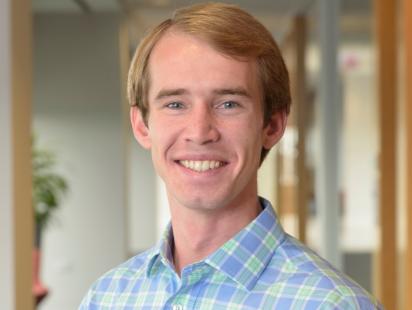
[
  {"x": 237, "y": 91},
  {"x": 170, "y": 92}
]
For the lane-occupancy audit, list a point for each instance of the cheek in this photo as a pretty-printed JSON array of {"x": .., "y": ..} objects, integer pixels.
[
  {"x": 163, "y": 136},
  {"x": 249, "y": 140}
]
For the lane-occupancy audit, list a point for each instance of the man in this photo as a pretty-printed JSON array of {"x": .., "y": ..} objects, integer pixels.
[{"x": 210, "y": 97}]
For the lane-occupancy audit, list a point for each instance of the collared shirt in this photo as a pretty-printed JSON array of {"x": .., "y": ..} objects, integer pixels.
[{"x": 259, "y": 268}]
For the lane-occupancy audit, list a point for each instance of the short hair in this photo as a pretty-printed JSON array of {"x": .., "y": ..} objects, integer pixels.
[{"x": 229, "y": 30}]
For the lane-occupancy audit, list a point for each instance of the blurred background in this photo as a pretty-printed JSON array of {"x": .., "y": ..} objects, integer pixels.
[{"x": 340, "y": 180}]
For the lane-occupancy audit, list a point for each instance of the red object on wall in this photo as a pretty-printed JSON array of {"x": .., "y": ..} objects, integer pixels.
[{"x": 39, "y": 290}]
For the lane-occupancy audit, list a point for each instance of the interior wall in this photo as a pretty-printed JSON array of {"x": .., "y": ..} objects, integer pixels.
[
  {"x": 267, "y": 178},
  {"x": 7, "y": 291},
  {"x": 142, "y": 202},
  {"x": 77, "y": 115},
  {"x": 360, "y": 150}
]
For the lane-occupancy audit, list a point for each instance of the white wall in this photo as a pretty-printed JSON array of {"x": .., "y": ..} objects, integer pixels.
[
  {"x": 77, "y": 114},
  {"x": 6, "y": 191},
  {"x": 142, "y": 200},
  {"x": 267, "y": 183},
  {"x": 360, "y": 152}
]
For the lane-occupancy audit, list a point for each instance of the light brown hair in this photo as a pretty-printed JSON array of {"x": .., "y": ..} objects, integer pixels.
[{"x": 231, "y": 31}]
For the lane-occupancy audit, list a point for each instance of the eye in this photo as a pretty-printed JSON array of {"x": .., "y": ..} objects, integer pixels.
[
  {"x": 175, "y": 105},
  {"x": 229, "y": 105}
]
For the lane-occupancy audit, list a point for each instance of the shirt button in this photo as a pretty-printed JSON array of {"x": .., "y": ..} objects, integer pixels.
[{"x": 177, "y": 307}]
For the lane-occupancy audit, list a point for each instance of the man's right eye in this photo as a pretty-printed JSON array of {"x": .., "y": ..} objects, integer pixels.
[{"x": 174, "y": 105}]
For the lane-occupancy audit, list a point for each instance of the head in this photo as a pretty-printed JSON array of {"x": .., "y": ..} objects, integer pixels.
[{"x": 230, "y": 31}]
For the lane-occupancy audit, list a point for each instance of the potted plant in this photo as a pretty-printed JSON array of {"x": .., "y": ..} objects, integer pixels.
[{"x": 48, "y": 190}]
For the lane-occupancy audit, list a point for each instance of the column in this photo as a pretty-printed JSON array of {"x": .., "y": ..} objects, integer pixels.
[
  {"x": 16, "y": 218},
  {"x": 302, "y": 119},
  {"x": 407, "y": 35},
  {"x": 386, "y": 35},
  {"x": 327, "y": 115}
]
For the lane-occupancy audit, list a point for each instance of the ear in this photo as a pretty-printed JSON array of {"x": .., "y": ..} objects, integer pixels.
[
  {"x": 140, "y": 130},
  {"x": 274, "y": 129}
]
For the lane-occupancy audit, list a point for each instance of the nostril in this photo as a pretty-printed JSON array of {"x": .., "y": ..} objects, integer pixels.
[{"x": 202, "y": 134}]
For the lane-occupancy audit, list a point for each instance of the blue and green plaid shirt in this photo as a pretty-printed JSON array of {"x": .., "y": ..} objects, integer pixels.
[{"x": 260, "y": 268}]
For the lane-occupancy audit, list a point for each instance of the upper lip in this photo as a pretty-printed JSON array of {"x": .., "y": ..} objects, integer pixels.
[{"x": 200, "y": 157}]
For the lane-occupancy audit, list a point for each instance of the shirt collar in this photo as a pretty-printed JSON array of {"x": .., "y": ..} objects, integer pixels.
[
  {"x": 162, "y": 253},
  {"x": 243, "y": 258}
]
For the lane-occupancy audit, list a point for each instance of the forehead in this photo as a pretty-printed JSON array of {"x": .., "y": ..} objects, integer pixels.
[{"x": 180, "y": 58}]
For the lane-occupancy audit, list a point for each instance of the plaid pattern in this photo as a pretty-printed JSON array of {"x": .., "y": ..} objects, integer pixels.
[{"x": 260, "y": 268}]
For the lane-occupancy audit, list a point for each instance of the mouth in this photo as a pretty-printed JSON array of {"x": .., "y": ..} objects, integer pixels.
[{"x": 201, "y": 165}]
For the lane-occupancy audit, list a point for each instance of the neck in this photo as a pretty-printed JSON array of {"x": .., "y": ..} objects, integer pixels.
[{"x": 197, "y": 234}]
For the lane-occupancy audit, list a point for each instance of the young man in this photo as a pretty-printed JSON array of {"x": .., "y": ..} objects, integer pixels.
[{"x": 210, "y": 97}]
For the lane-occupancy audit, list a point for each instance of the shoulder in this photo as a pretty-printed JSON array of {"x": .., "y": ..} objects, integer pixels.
[
  {"x": 117, "y": 279},
  {"x": 129, "y": 269},
  {"x": 305, "y": 275}
]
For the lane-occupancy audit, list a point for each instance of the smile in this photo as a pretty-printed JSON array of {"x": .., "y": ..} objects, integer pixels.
[{"x": 201, "y": 165}]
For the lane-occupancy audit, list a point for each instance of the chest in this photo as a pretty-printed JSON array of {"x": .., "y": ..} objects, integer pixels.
[{"x": 212, "y": 292}]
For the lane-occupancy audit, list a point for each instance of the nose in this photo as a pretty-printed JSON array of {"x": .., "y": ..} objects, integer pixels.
[{"x": 201, "y": 126}]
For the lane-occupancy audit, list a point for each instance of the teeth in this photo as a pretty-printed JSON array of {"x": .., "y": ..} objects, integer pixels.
[{"x": 201, "y": 165}]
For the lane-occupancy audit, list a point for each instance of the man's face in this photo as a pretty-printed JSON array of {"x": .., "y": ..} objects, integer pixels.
[{"x": 205, "y": 125}]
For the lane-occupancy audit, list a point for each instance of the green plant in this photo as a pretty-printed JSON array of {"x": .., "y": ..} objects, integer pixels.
[{"x": 48, "y": 188}]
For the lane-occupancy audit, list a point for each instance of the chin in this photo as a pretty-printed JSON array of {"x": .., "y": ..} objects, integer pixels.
[
  {"x": 210, "y": 202},
  {"x": 205, "y": 203}
]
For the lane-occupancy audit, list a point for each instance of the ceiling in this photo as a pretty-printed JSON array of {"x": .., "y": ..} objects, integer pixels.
[
  {"x": 276, "y": 15},
  {"x": 288, "y": 7}
]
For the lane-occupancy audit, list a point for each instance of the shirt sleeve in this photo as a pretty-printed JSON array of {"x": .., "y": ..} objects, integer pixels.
[
  {"x": 87, "y": 302},
  {"x": 341, "y": 302}
]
